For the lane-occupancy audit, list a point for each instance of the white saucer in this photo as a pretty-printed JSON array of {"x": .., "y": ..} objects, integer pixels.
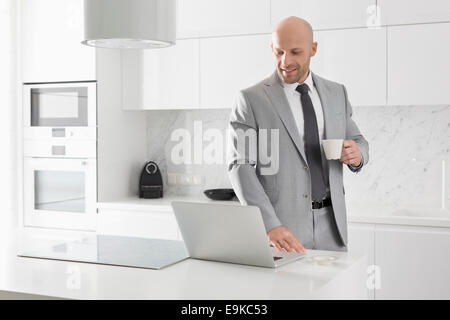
[{"x": 322, "y": 259}]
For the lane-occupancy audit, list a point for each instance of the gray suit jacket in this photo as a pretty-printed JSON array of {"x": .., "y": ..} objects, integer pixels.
[{"x": 284, "y": 196}]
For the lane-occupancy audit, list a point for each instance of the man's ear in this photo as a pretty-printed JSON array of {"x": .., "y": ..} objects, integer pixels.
[{"x": 313, "y": 49}]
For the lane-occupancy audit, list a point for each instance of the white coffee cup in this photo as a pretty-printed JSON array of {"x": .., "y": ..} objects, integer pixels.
[{"x": 332, "y": 148}]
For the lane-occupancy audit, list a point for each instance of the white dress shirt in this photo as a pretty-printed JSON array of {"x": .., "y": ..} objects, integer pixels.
[{"x": 293, "y": 98}]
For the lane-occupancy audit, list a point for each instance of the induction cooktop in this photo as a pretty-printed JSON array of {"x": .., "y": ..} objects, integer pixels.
[{"x": 113, "y": 250}]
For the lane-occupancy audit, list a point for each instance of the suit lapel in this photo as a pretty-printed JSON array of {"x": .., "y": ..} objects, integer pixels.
[
  {"x": 278, "y": 98},
  {"x": 324, "y": 95},
  {"x": 332, "y": 118}
]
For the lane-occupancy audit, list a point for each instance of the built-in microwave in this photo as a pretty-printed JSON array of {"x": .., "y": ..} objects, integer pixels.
[{"x": 60, "y": 110}]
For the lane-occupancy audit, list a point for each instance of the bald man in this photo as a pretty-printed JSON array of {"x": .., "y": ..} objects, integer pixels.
[{"x": 276, "y": 158}]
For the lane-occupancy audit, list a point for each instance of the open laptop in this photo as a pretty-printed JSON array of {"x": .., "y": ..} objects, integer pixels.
[{"x": 228, "y": 233}]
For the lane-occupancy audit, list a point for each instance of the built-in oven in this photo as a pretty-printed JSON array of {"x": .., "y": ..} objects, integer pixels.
[
  {"x": 60, "y": 193},
  {"x": 60, "y": 155},
  {"x": 60, "y": 110}
]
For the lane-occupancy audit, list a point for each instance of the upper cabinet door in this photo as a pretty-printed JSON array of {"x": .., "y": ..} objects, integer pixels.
[
  {"x": 50, "y": 36},
  {"x": 205, "y": 18},
  {"x": 419, "y": 64},
  {"x": 231, "y": 64},
  {"x": 355, "y": 58},
  {"x": 324, "y": 14},
  {"x": 413, "y": 11},
  {"x": 166, "y": 78}
]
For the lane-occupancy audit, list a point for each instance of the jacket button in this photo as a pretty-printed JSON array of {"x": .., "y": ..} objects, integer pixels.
[{"x": 305, "y": 195}]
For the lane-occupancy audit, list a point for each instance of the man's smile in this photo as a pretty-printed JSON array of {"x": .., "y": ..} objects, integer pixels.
[{"x": 288, "y": 71}]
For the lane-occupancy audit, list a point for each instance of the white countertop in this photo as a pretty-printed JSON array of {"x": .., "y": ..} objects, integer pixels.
[
  {"x": 158, "y": 204},
  {"x": 412, "y": 216},
  {"x": 358, "y": 213},
  {"x": 195, "y": 279},
  {"x": 188, "y": 279}
]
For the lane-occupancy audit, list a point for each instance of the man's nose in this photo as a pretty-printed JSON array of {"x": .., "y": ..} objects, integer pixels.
[{"x": 286, "y": 60}]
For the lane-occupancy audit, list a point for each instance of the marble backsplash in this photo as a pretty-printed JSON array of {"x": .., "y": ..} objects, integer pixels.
[
  {"x": 160, "y": 127},
  {"x": 409, "y": 153}
]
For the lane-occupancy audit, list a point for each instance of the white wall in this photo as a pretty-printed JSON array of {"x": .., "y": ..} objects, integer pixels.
[
  {"x": 7, "y": 108},
  {"x": 121, "y": 134}
]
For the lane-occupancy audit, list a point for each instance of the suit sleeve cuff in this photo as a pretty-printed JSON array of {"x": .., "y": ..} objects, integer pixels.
[{"x": 358, "y": 168}]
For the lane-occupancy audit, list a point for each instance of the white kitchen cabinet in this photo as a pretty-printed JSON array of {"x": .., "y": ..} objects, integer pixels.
[
  {"x": 206, "y": 18},
  {"x": 50, "y": 36},
  {"x": 413, "y": 11},
  {"x": 230, "y": 64},
  {"x": 361, "y": 240},
  {"x": 165, "y": 78},
  {"x": 138, "y": 223},
  {"x": 418, "y": 64},
  {"x": 413, "y": 262},
  {"x": 355, "y": 58},
  {"x": 324, "y": 14},
  {"x": 187, "y": 16}
]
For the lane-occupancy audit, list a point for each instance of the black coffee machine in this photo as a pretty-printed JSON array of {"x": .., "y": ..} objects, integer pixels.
[{"x": 150, "y": 183}]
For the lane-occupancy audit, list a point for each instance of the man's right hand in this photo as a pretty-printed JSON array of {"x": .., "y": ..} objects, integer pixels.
[{"x": 281, "y": 238}]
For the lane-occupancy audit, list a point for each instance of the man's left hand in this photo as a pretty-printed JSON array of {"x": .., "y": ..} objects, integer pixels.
[{"x": 350, "y": 153}]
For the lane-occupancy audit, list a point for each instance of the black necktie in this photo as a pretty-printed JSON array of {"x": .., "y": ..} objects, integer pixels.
[{"x": 312, "y": 144}]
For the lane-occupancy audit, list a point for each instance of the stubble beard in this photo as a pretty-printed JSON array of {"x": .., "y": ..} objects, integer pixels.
[{"x": 300, "y": 73}]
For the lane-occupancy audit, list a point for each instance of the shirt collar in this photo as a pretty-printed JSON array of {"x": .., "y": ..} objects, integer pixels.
[{"x": 293, "y": 86}]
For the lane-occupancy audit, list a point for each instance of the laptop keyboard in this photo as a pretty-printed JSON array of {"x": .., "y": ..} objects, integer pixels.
[{"x": 277, "y": 258}]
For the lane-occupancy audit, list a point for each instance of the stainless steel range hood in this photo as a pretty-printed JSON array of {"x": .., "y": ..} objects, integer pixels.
[{"x": 135, "y": 24}]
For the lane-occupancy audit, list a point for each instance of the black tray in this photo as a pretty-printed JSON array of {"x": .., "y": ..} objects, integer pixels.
[{"x": 220, "y": 194}]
